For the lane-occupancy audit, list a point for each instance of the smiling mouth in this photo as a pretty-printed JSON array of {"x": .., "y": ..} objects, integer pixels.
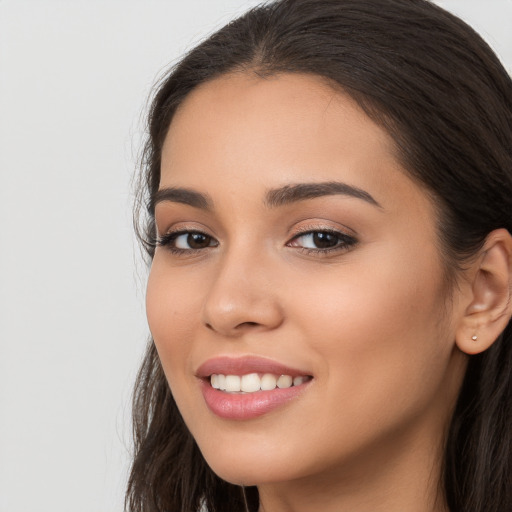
[
  {"x": 245, "y": 388},
  {"x": 254, "y": 382}
]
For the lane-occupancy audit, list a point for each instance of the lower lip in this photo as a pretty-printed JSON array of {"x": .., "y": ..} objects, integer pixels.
[{"x": 246, "y": 406}]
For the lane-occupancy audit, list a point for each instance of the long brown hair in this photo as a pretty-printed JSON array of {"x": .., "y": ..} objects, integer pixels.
[{"x": 446, "y": 100}]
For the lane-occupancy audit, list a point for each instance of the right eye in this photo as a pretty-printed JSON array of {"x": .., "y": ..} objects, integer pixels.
[{"x": 186, "y": 241}]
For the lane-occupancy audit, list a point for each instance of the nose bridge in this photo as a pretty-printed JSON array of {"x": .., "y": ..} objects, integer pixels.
[{"x": 242, "y": 293}]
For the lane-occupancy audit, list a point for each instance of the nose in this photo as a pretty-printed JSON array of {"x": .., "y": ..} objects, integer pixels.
[{"x": 243, "y": 297}]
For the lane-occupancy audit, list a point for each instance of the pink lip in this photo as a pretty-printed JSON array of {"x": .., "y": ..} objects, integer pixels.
[
  {"x": 246, "y": 406},
  {"x": 244, "y": 365}
]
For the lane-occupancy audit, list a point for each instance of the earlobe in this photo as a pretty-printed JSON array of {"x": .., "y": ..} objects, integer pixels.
[{"x": 490, "y": 307}]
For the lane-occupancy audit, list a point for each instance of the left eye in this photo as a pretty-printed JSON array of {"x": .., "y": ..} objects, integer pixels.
[
  {"x": 322, "y": 240},
  {"x": 185, "y": 241},
  {"x": 192, "y": 241}
]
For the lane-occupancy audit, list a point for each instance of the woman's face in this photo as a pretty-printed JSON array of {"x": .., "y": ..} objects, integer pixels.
[{"x": 293, "y": 243}]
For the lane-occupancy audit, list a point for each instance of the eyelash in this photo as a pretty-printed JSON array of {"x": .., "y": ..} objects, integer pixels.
[
  {"x": 169, "y": 239},
  {"x": 344, "y": 241}
]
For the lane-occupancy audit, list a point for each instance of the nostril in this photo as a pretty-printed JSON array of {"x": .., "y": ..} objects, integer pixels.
[
  {"x": 237, "y": 329},
  {"x": 248, "y": 324}
]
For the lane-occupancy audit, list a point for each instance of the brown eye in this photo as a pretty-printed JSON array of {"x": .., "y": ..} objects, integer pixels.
[
  {"x": 186, "y": 241},
  {"x": 195, "y": 241},
  {"x": 323, "y": 241},
  {"x": 192, "y": 240}
]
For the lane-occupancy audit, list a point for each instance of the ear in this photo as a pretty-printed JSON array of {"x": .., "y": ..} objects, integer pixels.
[{"x": 490, "y": 304}]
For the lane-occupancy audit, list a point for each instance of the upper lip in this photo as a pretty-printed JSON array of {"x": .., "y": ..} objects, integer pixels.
[{"x": 226, "y": 365}]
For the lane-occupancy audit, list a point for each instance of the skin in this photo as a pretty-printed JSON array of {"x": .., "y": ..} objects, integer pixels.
[{"x": 370, "y": 322}]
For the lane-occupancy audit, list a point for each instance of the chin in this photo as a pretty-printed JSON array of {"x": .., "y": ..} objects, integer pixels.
[
  {"x": 248, "y": 476},
  {"x": 253, "y": 468}
]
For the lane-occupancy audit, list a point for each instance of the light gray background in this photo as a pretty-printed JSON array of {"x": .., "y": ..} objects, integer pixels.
[{"x": 74, "y": 78}]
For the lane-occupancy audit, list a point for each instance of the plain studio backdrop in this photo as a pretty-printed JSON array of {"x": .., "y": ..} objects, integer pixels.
[{"x": 74, "y": 79}]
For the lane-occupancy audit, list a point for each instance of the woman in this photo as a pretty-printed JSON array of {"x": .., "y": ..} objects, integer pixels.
[{"x": 329, "y": 189}]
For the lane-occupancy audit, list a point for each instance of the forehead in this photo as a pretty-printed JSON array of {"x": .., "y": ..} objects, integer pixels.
[
  {"x": 283, "y": 109},
  {"x": 252, "y": 133}
]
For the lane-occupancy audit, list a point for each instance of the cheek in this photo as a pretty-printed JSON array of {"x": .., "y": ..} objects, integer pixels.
[
  {"x": 375, "y": 311},
  {"x": 378, "y": 332},
  {"x": 171, "y": 308},
  {"x": 372, "y": 295}
]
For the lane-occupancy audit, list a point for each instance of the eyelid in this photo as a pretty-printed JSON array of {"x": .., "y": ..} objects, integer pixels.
[
  {"x": 322, "y": 225},
  {"x": 167, "y": 226},
  {"x": 167, "y": 222}
]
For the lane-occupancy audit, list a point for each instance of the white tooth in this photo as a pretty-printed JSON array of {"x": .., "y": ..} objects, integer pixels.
[
  {"x": 297, "y": 381},
  {"x": 268, "y": 382},
  {"x": 285, "y": 381},
  {"x": 232, "y": 383},
  {"x": 221, "y": 382},
  {"x": 214, "y": 381},
  {"x": 250, "y": 383}
]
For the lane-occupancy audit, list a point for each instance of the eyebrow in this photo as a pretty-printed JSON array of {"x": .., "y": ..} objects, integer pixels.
[
  {"x": 302, "y": 191},
  {"x": 183, "y": 196},
  {"x": 273, "y": 198}
]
